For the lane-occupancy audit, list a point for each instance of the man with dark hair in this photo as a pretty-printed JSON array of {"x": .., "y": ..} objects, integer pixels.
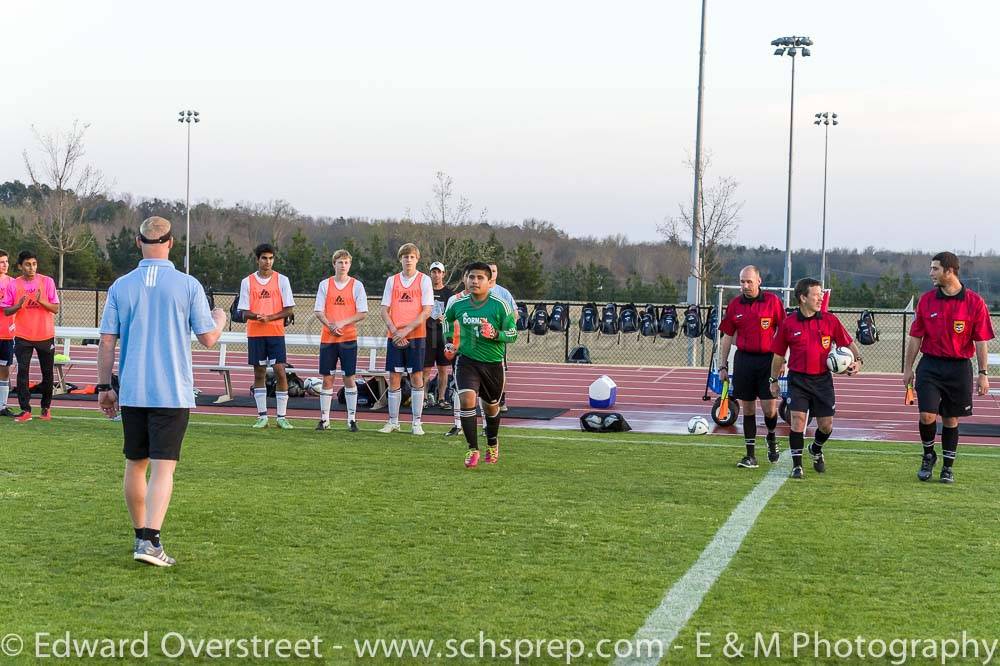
[
  {"x": 950, "y": 326},
  {"x": 266, "y": 299},
  {"x": 434, "y": 355},
  {"x": 154, "y": 310},
  {"x": 809, "y": 335},
  {"x": 752, "y": 320},
  {"x": 487, "y": 324},
  {"x": 6, "y": 338},
  {"x": 33, "y": 300}
]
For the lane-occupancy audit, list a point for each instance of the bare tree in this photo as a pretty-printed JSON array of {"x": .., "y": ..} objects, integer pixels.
[
  {"x": 279, "y": 215},
  {"x": 720, "y": 217},
  {"x": 67, "y": 188},
  {"x": 451, "y": 221}
]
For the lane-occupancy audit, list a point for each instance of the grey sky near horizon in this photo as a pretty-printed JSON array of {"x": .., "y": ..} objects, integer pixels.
[{"x": 579, "y": 113}]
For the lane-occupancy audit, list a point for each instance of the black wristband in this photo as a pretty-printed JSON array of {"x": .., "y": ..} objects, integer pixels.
[
  {"x": 100, "y": 388},
  {"x": 984, "y": 373}
]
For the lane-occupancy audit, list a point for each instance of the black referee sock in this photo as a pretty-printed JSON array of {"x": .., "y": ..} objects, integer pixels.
[
  {"x": 750, "y": 433},
  {"x": 928, "y": 431},
  {"x": 151, "y": 535},
  {"x": 771, "y": 422},
  {"x": 468, "y": 417},
  {"x": 795, "y": 442},
  {"x": 949, "y": 444},
  {"x": 139, "y": 532},
  {"x": 492, "y": 429},
  {"x": 819, "y": 439}
]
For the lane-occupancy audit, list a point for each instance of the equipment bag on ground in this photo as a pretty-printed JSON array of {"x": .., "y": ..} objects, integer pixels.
[{"x": 604, "y": 422}]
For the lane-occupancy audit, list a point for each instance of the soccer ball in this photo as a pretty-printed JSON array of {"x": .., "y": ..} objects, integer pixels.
[
  {"x": 839, "y": 359},
  {"x": 698, "y": 425},
  {"x": 313, "y": 385}
]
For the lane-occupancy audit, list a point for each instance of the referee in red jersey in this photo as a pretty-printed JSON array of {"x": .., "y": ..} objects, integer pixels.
[
  {"x": 751, "y": 321},
  {"x": 951, "y": 325},
  {"x": 808, "y": 336}
]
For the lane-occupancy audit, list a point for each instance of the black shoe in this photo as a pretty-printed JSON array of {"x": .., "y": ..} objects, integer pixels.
[
  {"x": 323, "y": 425},
  {"x": 455, "y": 430},
  {"x": 819, "y": 464},
  {"x": 747, "y": 462},
  {"x": 796, "y": 473},
  {"x": 947, "y": 476},
  {"x": 352, "y": 426},
  {"x": 927, "y": 466},
  {"x": 503, "y": 408},
  {"x": 7, "y": 412},
  {"x": 773, "y": 452}
]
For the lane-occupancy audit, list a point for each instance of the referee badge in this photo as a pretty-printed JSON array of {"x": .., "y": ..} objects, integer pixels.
[
  {"x": 765, "y": 323},
  {"x": 959, "y": 326},
  {"x": 825, "y": 341}
]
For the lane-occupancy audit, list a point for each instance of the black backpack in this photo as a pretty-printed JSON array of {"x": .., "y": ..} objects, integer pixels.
[
  {"x": 235, "y": 314},
  {"x": 668, "y": 321},
  {"x": 867, "y": 331},
  {"x": 609, "y": 319},
  {"x": 522, "y": 317},
  {"x": 588, "y": 318},
  {"x": 692, "y": 322},
  {"x": 579, "y": 355},
  {"x": 711, "y": 323},
  {"x": 647, "y": 321},
  {"x": 367, "y": 394},
  {"x": 628, "y": 319},
  {"x": 604, "y": 422},
  {"x": 559, "y": 321},
  {"x": 540, "y": 320}
]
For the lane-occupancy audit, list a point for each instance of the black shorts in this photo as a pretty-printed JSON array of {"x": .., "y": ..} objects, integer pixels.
[
  {"x": 750, "y": 374},
  {"x": 344, "y": 352},
  {"x": 944, "y": 386},
  {"x": 6, "y": 352},
  {"x": 812, "y": 393},
  {"x": 486, "y": 379},
  {"x": 154, "y": 432},
  {"x": 435, "y": 355}
]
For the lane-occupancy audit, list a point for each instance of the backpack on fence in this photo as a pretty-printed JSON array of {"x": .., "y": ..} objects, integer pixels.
[
  {"x": 692, "y": 322},
  {"x": 609, "y": 319},
  {"x": 588, "y": 318},
  {"x": 235, "y": 314},
  {"x": 647, "y": 321},
  {"x": 628, "y": 319},
  {"x": 559, "y": 321},
  {"x": 867, "y": 333},
  {"x": 711, "y": 323},
  {"x": 540, "y": 320},
  {"x": 522, "y": 317},
  {"x": 668, "y": 321}
]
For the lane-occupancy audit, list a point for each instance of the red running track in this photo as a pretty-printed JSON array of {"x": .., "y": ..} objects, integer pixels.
[{"x": 869, "y": 407}]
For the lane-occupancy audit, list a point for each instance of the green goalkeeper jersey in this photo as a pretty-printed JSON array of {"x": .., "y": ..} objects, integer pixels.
[{"x": 470, "y": 315}]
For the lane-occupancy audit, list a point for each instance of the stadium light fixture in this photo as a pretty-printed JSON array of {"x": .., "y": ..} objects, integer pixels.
[
  {"x": 825, "y": 119},
  {"x": 694, "y": 282},
  {"x": 188, "y": 116},
  {"x": 791, "y": 47}
]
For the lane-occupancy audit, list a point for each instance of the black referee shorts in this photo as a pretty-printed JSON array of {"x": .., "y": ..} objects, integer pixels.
[
  {"x": 486, "y": 379},
  {"x": 750, "y": 374},
  {"x": 154, "y": 432},
  {"x": 812, "y": 393},
  {"x": 944, "y": 386}
]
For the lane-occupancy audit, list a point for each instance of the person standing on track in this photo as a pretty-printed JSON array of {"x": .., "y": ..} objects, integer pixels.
[
  {"x": 266, "y": 299},
  {"x": 434, "y": 356},
  {"x": 6, "y": 338},
  {"x": 808, "y": 335},
  {"x": 751, "y": 322},
  {"x": 950, "y": 326},
  {"x": 154, "y": 310}
]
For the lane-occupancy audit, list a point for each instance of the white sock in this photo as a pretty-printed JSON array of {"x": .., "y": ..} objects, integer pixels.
[
  {"x": 282, "y": 397},
  {"x": 325, "y": 400},
  {"x": 395, "y": 397},
  {"x": 456, "y": 409},
  {"x": 482, "y": 410},
  {"x": 417, "y": 404},
  {"x": 260, "y": 397},
  {"x": 351, "y": 397},
  {"x": 4, "y": 392}
]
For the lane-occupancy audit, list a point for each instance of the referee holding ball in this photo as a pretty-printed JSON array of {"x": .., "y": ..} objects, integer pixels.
[
  {"x": 808, "y": 336},
  {"x": 951, "y": 325}
]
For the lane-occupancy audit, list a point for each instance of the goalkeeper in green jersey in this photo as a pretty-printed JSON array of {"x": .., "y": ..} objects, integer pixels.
[{"x": 486, "y": 325}]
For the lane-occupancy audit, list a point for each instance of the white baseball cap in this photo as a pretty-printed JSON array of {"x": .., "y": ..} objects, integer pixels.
[{"x": 438, "y": 265}]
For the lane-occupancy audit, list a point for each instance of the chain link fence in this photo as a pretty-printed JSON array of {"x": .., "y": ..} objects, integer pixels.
[{"x": 84, "y": 308}]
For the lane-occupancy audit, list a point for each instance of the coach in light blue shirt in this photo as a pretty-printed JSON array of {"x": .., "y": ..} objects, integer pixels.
[
  {"x": 153, "y": 310},
  {"x": 501, "y": 292}
]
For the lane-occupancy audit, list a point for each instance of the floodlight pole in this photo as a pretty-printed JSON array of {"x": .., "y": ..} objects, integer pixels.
[
  {"x": 694, "y": 279},
  {"x": 188, "y": 117},
  {"x": 824, "y": 119}
]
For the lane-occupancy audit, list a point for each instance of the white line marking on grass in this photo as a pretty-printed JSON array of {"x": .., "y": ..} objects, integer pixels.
[{"x": 684, "y": 598}]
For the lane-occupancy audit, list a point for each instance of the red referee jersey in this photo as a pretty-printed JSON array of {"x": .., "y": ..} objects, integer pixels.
[
  {"x": 809, "y": 340},
  {"x": 754, "y": 321},
  {"x": 951, "y": 325}
]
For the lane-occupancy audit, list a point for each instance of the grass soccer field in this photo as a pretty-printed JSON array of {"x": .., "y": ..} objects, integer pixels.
[{"x": 571, "y": 537}]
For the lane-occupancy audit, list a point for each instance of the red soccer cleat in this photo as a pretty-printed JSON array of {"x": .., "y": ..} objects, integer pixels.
[
  {"x": 472, "y": 458},
  {"x": 23, "y": 417},
  {"x": 46, "y": 415}
]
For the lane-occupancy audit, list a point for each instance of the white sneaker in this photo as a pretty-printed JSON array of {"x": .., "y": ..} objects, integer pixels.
[
  {"x": 389, "y": 427},
  {"x": 417, "y": 429}
]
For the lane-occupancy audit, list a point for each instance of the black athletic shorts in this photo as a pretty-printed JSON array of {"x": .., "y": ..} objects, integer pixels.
[
  {"x": 812, "y": 393},
  {"x": 154, "y": 432},
  {"x": 750, "y": 373},
  {"x": 944, "y": 385},
  {"x": 434, "y": 355},
  {"x": 486, "y": 379},
  {"x": 6, "y": 353}
]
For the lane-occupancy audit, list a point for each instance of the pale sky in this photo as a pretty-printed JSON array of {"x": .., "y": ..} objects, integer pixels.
[{"x": 580, "y": 113}]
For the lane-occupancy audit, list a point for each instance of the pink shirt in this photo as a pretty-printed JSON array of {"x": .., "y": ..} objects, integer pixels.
[{"x": 32, "y": 321}]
